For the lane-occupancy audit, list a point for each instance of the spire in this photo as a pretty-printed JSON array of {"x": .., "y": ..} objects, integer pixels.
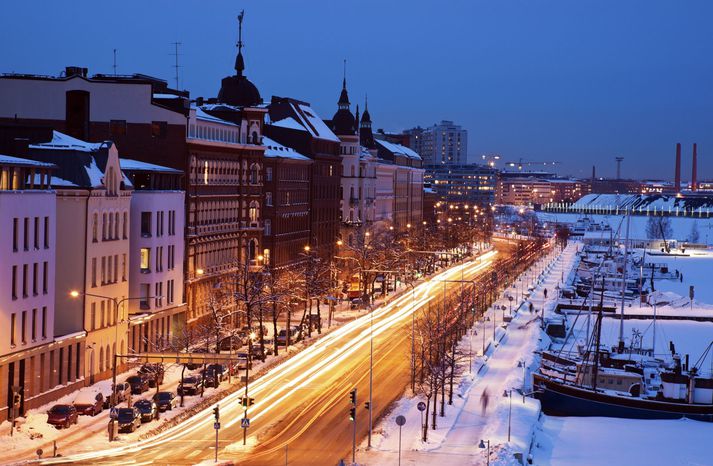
[
  {"x": 239, "y": 62},
  {"x": 357, "y": 114},
  {"x": 366, "y": 118},
  {"x": 344, "y": 96}
]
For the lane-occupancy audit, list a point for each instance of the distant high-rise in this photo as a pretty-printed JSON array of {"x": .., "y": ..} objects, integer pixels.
[{"x": 443, "y": 143}]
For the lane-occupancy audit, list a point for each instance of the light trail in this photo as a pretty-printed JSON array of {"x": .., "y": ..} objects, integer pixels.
[{"x": 309, "y": 364}]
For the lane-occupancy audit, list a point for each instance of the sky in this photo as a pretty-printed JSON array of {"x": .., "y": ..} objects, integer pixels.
[{"x": 577, "y": 82}]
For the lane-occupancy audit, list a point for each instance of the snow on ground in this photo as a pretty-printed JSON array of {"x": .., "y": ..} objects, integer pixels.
[
  {"x": 468, "y": 420},
  {"x": 696, "y": 270},
  {"x": 681, "y": 226},
  {"x": 599, "y": 441}
]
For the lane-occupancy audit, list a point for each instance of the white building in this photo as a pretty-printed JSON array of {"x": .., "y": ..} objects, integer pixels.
[
  {"x": 156, "y": 254},
  {"x": 93, "y": 203},
  {"x": 41, "y": 364},
  {"x": 444, "y": 143}
]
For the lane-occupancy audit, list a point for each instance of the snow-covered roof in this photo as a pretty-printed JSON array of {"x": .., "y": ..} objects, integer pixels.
[
  {"x": 306, "y": 119},
  {"x": 9, "y": 160},
  {"x": 201, "y": 115},
  {"x": 642, "y": 202},
  {"x": 289, "y": 123},
  {"x": 62, "y": 182},
  {"x": 398, "y": 149},
  {"x": 166, "y": 96},
  {"x": 275, "y": 149},
  {"x": 136, "y": 165},
  {"x": 61, "y": 141}
]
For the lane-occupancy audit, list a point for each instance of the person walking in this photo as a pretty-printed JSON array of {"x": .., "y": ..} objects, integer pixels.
[{"x": 484, "y": 398}]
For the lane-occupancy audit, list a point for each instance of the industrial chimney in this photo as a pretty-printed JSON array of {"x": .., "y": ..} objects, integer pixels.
[
  {"x": 677, "y": 181},
  {"x": 694, "y": 170}
]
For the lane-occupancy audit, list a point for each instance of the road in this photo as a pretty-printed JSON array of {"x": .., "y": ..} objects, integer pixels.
[{"x": 302, "y": 406}]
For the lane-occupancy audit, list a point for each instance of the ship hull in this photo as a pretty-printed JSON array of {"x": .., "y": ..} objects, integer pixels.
[{"x": 565, "y": 400}]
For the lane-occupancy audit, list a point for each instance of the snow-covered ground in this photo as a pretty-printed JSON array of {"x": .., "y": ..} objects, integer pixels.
[
  {"x": 696, "y": 270},
  {"x": 681, "y": 226},
  {"x": 599, "y": 441}
]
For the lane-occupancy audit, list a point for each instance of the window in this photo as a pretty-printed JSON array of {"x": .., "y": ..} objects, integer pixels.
[
  {"x": 116, "y": 225},
  {"x": 253, "y": 212},
  {"x": 93, "y": 316},
  {"x": 145, "y": 260},
  {"x": 103, "y": 271},
  {"x": 23, "y": 333},
  {"x": 77, "y": 114},
  {"x": 103, "y": 227},
  {"x": 14, "y": 282},
  {"x": 159, "y": 259},
  {"x": 15, "y": 225},
  {"x": 158, "y": 295},
  {"x": 169, "y": 291},
  {"x": 268, "y": 199},
  {"x": 34, "y": 324},
  {"x": 95, "y": 226},
  {"x": 45, "y": 271},
  {"x": 44, "y": 322},
  {"x": 145, "y": 224},
  {"x": 102, "y": 315},
  {"x": 268, "y": 227},
  {"x": 268, "y": 174},
  {"x": 125, "y": 226},
  {"x": 171, "y": 257},
  {"x": 123, "y": 267},
  {"x": 13, "y": 322},
  {"x": 47, "y": 232},
  {"x": 94, "y": 272},
  {"x": 35, "y": 266},
  {"x": 144, "y": 295},
  {"x": 24, "y": 280},
  {"x": 36, "y": 233},
  {"x": 116, "y": 268},
  {"x": 254, "y": 173},
  {"x": 117, "y": 127},
  {"x": 26, "y": 234},
  {"x": 159, "y": 129}
]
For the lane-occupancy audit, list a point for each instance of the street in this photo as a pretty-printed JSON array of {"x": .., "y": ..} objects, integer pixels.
[{"x": 301, "y": 407}]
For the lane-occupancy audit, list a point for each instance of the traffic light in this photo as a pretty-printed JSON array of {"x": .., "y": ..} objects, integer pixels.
[
  {"x": 216, "y": 413},
  {"x": 352, "y": 396},
  {"x": 247, "y": 401},
  {"x": 352, "y": 414},
  {"x": 367, "y": 405},
  {"x": 16, "y": 399}
]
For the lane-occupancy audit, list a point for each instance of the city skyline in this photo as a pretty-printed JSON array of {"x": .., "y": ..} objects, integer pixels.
[{"x": 629, "y": 81}]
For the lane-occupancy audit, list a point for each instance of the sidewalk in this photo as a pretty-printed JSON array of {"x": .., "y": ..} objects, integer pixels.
[{"x": 455, "y": 441}]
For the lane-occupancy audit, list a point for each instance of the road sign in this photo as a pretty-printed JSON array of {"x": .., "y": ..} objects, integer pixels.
[
  {"x": 421, "y": 406},
  {"x": 400, "y": 420},
  {"x": 245, "y": 423},
  {"x": 113, "y": 413},
  {"x": 216, "y": 425}
]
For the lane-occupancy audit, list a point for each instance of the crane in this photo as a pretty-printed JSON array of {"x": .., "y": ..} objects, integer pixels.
[{"x": 522, "y": 162}]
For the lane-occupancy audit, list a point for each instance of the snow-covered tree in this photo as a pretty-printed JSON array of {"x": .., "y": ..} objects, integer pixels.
[
  {"x": 694, "y": 236},
  {"x": 659, "y": 228}
]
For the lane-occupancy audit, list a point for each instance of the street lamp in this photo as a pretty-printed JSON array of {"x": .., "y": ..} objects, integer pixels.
[
  {"x": 482, "y": 445},
  {"x": 508, "y": 393},
  {"x": 117, "y": 303}
]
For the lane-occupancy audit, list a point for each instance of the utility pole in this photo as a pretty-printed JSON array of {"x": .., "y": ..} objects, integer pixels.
[
  {"x": 115, "y": 62},
  {"x": 352, "y": 417}
]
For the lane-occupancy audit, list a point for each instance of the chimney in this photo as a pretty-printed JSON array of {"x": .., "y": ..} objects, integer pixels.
[
  {"x": 677, "y": 181},
  {"x": 694, "y": 170}
]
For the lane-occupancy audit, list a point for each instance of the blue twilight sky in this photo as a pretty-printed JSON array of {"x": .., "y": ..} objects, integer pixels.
[{"x": 578, "y": 81}]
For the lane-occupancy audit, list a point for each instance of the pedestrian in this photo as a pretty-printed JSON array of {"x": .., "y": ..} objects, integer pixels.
[
  {"x": 681, "y": 277},
  {"x": 484, "y": 398},
  {"x": 545, "y": 292}
]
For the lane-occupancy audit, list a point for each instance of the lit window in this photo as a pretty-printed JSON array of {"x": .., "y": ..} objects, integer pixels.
[{"x": 145, "y": 259}]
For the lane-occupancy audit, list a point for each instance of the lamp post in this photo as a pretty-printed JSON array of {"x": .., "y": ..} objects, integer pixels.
[
  {"x": 482, "y": 444},
  {"x": 117, "y": 304},
  {"x": 508, "y": 393}
]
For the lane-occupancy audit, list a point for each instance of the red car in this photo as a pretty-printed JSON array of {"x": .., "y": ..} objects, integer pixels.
[
  {"x": 89, "y": 403},
  {"x": 62, "y": 416}
]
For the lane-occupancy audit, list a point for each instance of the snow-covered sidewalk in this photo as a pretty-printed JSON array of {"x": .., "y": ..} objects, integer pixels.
[{"x": 503, "y": 368}]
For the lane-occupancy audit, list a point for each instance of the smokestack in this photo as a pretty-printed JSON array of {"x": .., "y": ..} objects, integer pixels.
[
  {"x": 694, "y": 170},
  {"x": 677, "y": 181}
]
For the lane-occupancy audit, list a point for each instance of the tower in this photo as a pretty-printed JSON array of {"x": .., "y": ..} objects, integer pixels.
[
  {"x": 366, "y": 136},
  {"x": 694, "y": 169},
  {"x": 618, "y": 167},
  {"x": 677, "y": 179},
  {"x": 343, "y": 122},
  {"x": 237, "y": 90}
]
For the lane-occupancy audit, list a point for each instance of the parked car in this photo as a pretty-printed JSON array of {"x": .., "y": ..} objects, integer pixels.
[
  {"x": 190, "y": 385},
  {"x": 356, "y": 303},
  {"x": 89, "y": 403},
  {"x": 148, "y": 410},
  {"x": 294, "y": 334},
  {"x": 258, "y": 350},
  {"x": 129, "y": 419},
  {"x": 165, "y": 400},
  {"x": 139, "y": 383},
  {"x": 123, "y": 390},
  {"x": 209, "y": 378},
  {"x": 62, "y": 415},
  {"x": 154, "y": 373},
  {"x": 195, "y": 365},
  {"x": 221, "y": 370},
  {"x": 231, "y": 343},
  {"x": 242, "y": 361}
]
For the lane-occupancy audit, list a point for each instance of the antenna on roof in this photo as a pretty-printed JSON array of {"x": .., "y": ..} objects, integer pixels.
[
  {"x": 176, "y": 54},
  {"x": 344, "y": 80},
  {"x": 239, "y": 62},
  {"x": 114, "y": 62}
]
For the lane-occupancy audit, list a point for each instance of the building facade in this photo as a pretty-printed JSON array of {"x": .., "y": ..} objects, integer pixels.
[
  {"x": 466, "y": 183},
  {"x": 442, "y": 143}
]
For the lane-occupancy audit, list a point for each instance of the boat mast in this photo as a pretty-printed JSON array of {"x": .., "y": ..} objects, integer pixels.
[
  {"x": 623, "y": 281},
  {"x": 598, "y": 329}
]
